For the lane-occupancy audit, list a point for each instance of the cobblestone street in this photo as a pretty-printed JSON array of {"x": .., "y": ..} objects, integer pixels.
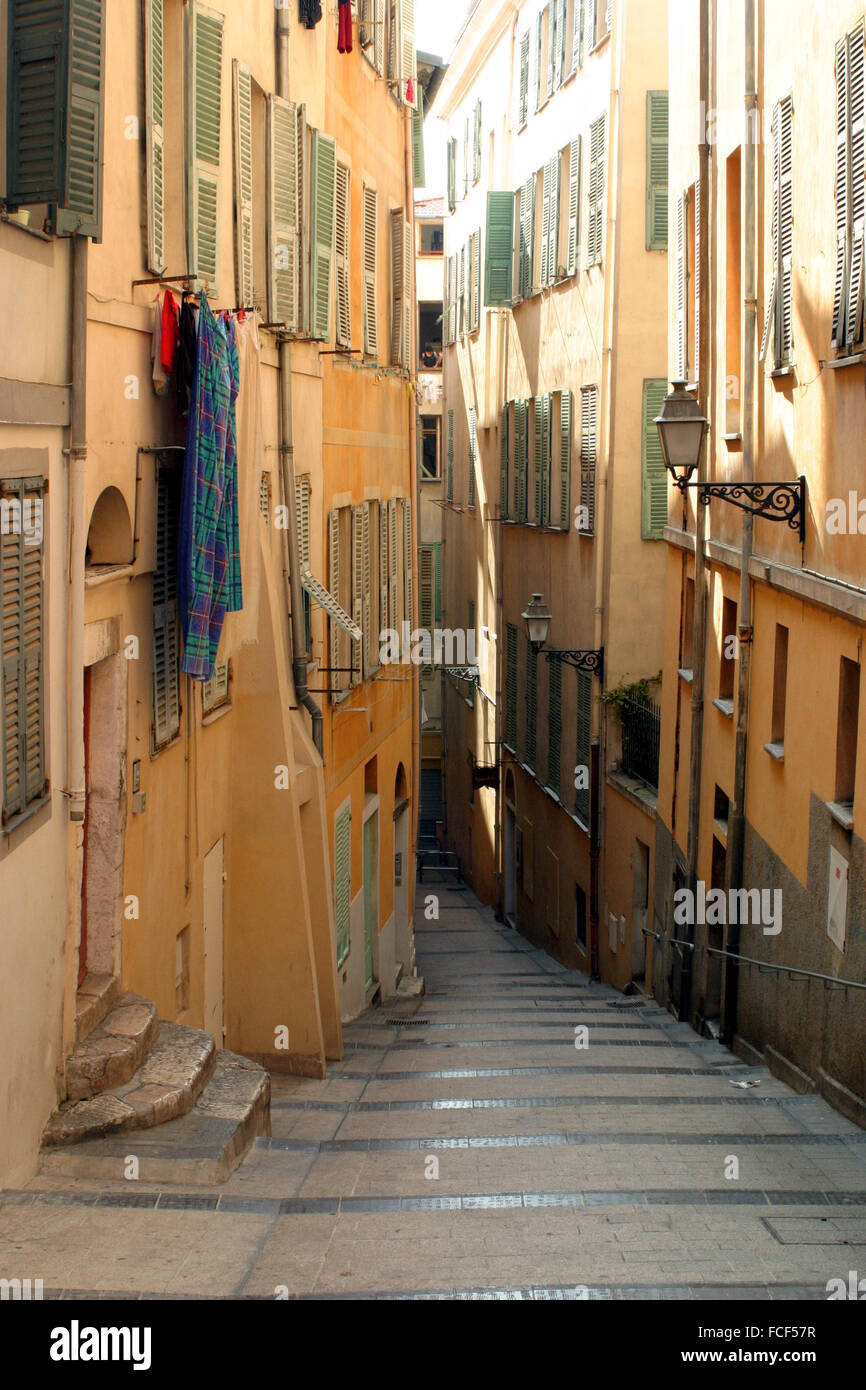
[{"x": 560, "y": 1171}]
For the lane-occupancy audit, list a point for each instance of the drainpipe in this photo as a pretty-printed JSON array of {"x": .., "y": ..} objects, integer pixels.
[
  {"x": 300, "y": 650},
  {"x": 414, "y": 490},
  {"x": 77, "y": 454},
  {"x": 737, "y": 823},
  {"x": 701, "y": 596}
]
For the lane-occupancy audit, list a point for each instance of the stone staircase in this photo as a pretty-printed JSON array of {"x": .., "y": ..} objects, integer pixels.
[{"x": 158, "y": 1093}]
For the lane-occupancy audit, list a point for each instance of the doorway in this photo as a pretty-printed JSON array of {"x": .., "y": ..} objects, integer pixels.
[
  {"x": 509, "y": 850},
  {"x": 371, "y": 898},
  {"x": 213, "y": 917},
  {"x": 104, "y": 816},
  {"x": 639, "y": 910}
]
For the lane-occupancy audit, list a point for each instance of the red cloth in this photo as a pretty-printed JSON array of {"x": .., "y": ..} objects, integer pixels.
[
  {"x": 410, "y": 93},
  {"x": 170, "y": 332},
  {"x": 344, "y": 35}
]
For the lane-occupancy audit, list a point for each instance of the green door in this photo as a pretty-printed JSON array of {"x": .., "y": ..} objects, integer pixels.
[{"x": 371, "y": 893}]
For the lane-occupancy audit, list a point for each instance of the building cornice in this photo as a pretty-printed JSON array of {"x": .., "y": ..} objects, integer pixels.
[{"x": 484, "y": 28}]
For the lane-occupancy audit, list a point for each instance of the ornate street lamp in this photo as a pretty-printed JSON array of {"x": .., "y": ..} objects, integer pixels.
[
  {"x": 682, "y": 429},
  {"x": 538, "y": 618}
]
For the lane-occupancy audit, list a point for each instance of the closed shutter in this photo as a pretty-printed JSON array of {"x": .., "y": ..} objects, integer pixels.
[
  {"x": 370, "y": 649},
  {"x": 554, "y": 726},
  {"x": 358, "y": 586},
  {"x": 427, "y": 586},
  {"x": 342, "y": 221},
  {"x": 302, "y": 514},
  {"x": 461, "y": 293},
  {"x": 452, "y": 175},
  {"x": 393, "y": 573},
  {"x": 476, "y": 143},
  {"x": 338, "y": 679},
  {"x": 584, "y": 737},
  {"x": 856, "y": 184},
  {"x": 450, "y": 480},
  {"x": 523, "y": 108},
  {"x": 406, "y": 71},
  {"x": 499, "y": 250},
  {"x": 243, "y": 153},
  {"x": 697, "y": 279},
  {"x": 521, "y": 440},
  {"x": 465, "y": 157},
  {"x": 574, "y": 205},
  {"x": 545, "y": 222},
  {"x": 770, "y": 336},
  {"x": 503, "y": 463},
  {"x": 401, "y": 290},
  {"x": 539, "y": 76},
  {"x": 473, "y": 452},
  {"x": 577, "y": 50},
  {"x": 408, "y": 556},
  {"x": 80, "y": 209},
  {"x": 531, "y": 705},
  {"x": 553, "y": 244},
  {"x": 542, "y": 459},
  {"x": 323, "y": 194},
  {"x": 654, "y": 496},
  {"x": 656, "y": 171},
  {"x": 370, "y": 306},
  {"x": 343, "y": 881},
  {"x": 166, "y": 638},
  {"x": 446, "y": 307},
  {"x": 475, "y": 321},
  {"x": 597, "y": 142},
  {"x": 552, "y": 17},
  {"x": 21, "y": 649},
  {"x": 566, "y": 408},
  {"x": 843, "y": 191},
  {"x": 384, "y": 538},
  {"x": 588, "y": 455},
  {"x": 379, "y": 37},
  {"x": 154, "y": 92},
  {"x": 511, "y": 686},
  {"x": 591, "y": 23},
  {"x": 283, "y": 213},
  {"x": 527, "y": 237},
  {"x": 204, "y": 106},
  {"x": 778, "y": 324},
  {"x": 418, "y": 168},
  {"x": 37, "y": 73},
  {"x": 681, "y": 341}
]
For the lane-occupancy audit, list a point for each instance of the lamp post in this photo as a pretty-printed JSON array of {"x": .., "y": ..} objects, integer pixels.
[
  {"x": 682, "y": 428},
  {"x": 538, "y": 618}
]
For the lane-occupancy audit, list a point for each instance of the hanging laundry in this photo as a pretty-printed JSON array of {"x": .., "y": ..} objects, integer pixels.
[
  {"x": 170, "y": 332},
  {"x": 410, "y": 93},
  {"x": 209, "y": 570},
  {"x": 160, "y": 378},
  {"x": 344, "y": 36},
  {"x": 185, "y": 360},
  {"x": 242, "y": 627},
  {"x": 310, "y": 12}
]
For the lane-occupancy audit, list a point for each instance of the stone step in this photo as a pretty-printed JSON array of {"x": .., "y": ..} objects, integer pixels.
[
  {"x": 166, "y": 1085},
  {"x": 201, "y": 1148},
  {"x": 96, "y": 995},
  {"x": 114, "y": 1050}
]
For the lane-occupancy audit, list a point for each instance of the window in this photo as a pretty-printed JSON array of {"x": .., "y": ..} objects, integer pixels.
[
  {"x": 323, "y": 200},
  {"x": 559, "y": 486},
  {"x": 401, "y": 49},
  {"x": 401, "y": 290},
  {"x": 511, "y": 686},
  {"x": 215, "y": 693},
  {"x": 526, "y": 238},
  {"x": 688, "y": 255},
  {"x": 372, "y": 33},
  {"x": 523, "y": 107},
  {"x": 733, "y": 293},
  {"x": 597, "y": 142},
  {"x": 55, "y": 131},
  {"x": 389, "y": 582},
  {"x": 408, "y": 556},
  {"x": 181, "y": 971},
  {"x": 541, "y": 457},
  {"x": 22, "y": 659},
  {"x": 846, "y": 735},
  {"x": 303, "y": 492},
  {"x": 554, "y": 726},
  {"x": 204, "y": 134},
  {"x": 569, "y": 232},
  {"x": 419, "y": 170},
  {"x": 473, "y": 453},
  {"x": 656, "y": 171},
  {"x": 599, "y": 19},
  {"x": 780, "y": 687},
  {"x": 654, "y": 496},
  {"x": 431, "y": 239},
  {"x": 362, "y": 588},
  {"x": 531, "y": 706},
  {"x": 504, "y": 459},
  {"x": 476, "y": 143},
  {"x": 284, "y": 144},
  {"x": 583, "y": 746},
  {"x": 499, "y": 260},
  {"x": 450, "y": 479},
  {"x": 588, "y": 457},
  {"x": 474, "y": 270},
  {"x": 521, "y": 460},
  {"x": 166, "y": 633},
  {"x": 850, "y": 190},
  {"x": 369, "y": 307},
  {"x": 430, "y": 582},
  {"x": 550, "y": 221},
  {"x": 580, "y": 916},
  {"x": 688, "y": 628},
  {"x": 430, "y": 319},
  {"x": 343, "y": 879},
  {"x": 430, "y": 459},
  {"x": 344, "y": 652},
  {"x": 452, "y": 174},
  {"x": 543, "y": 72},
  {"x": 777, "y": 339},
  {"x": 342, "y": 281},
  {"x": 729, "y": 648}
]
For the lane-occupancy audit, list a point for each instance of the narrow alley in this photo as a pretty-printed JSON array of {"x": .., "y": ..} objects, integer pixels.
[{"x": 467, "y": 1148}]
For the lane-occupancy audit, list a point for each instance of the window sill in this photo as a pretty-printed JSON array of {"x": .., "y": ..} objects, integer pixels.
[
  {"x": 165, "y": 747},
  {"x": 212, "y": 715},
  {"x": 776, "y": 751},
  {"x": 838, "y": 364},
  {"x": 842, "y": 813},
  {"x": 734, "y": 440},
  {"x": 686, "y": 674},
  {"x": 726, "y": 707},
  {"x": 31, "y": 231},
  {"x": 779, "y": 372},
  {"x": 430, "y": 480},
  {"x": 600, "y": 42},
  {"x": 721, "y": 829},
  {"x": 27, "y": 814}
]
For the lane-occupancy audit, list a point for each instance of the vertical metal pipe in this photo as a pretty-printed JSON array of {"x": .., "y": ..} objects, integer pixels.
[{"x": 77, "y": 540}]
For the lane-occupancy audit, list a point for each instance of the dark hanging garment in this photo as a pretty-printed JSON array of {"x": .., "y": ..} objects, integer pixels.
[
  {"x": 344, "y": 38},
  {"x": 185, "y": 360},
  {"x": 310, "y": 12}
]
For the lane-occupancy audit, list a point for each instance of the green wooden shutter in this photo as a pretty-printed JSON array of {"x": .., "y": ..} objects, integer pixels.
[
  {"x": 21, "y": 648},
  {"x": 584, "y": 738},
  {"x": 36, "y": 85},
  {"x": 654, "y": 498},
  {"x": 154, "y": 92},
  {"x": 545, "y": 224},
  {"x": 323, "y": 193},
  {"x": 524, "y": 81},
  {"x": 452, "y": 175},
  {"x": 80, "y": 210},
  {"x": 553, "y": 244},
  {"x": 369, "y": 259},
  {"x": 656, "y": 171},
  {"x": 407, "y": 561},
  {"x": 166, "y": 635},
  {"x": 337, "y": 680},
  {"x": 461, "y": 293},
  {"x": 475, "y": 320},
  {"x": 577, "y": 40},
  {"x": 427, "y": 588},
  {"x": 401, "y": 290},
  {"x": 342, "y": 281},
  {"x": 588, "y": 454},
  {"x": 521, "y": 443},
  {"x": 343, "y": 881},
  {"x": 406, "y": 68},
  {"x": 527, "y": 237},
  {"x": 204, "y": 106},
  {"x": 503, "y": 463},
  {"x": 450, "y": 482},
  {"x": 574, "y": 159},
  {"x": 511, "y": 686},
  {"x": 539, "y": 22},
  {"x": 542, "y": 459},
  {"x": 473, "y": 453},
  {"x": 243, "y": 170},
  {"x": 554, "y": 726},
  {"x": 476, "y": 143},
  {"x": 566, "y": 408},
  {"x": 499, "y": 258},
  {"x": 529, "y": 744},
  {"x": 418, "y": 168},
  {"x": 598, "y": 131},
  {"x": 283, "y": 217}
]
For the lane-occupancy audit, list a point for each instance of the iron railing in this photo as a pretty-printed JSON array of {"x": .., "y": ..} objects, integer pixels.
[{"x": 641, "y": 736}]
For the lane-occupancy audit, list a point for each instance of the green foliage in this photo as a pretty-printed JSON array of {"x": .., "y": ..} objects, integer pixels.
[{"x": 639, "y": 691}]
